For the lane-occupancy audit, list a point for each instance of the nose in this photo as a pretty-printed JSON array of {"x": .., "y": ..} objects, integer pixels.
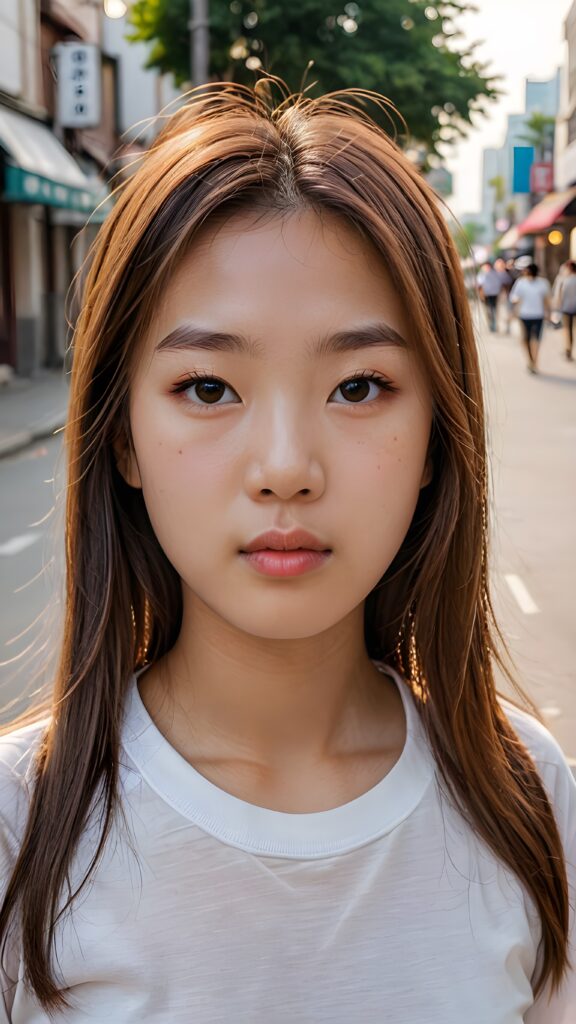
[{"x": 285, "y": 461}]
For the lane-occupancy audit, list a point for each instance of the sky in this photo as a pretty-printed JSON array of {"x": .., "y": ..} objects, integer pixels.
[{"x": 522, "y": 39}]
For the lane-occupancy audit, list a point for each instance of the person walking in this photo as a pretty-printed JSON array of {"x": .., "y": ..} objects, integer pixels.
[
  {"x": 565, "y": 301},
  {"x": 531, "y": 297},
  {"x": 507, "y": 280},
  {"x": 489, "y": 287}
]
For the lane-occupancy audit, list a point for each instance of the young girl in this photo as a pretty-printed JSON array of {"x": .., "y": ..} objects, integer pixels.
[{"x": 276, "y": 783}]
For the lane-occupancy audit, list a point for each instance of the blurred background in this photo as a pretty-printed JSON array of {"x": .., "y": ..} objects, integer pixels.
[{"x": 488, "y": 97}]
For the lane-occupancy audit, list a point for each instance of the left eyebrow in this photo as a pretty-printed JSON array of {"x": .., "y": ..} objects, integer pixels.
[{"x": 187, "y": 336}]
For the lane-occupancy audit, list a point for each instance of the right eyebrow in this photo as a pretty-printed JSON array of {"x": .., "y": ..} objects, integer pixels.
[{"x": 187, "y": 336}]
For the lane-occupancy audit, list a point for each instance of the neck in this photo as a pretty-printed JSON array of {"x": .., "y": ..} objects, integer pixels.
[{"x": 223, "y": 693}]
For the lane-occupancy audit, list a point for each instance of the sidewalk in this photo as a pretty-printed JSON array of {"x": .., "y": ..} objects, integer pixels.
[{"x": 31, "y": 408}]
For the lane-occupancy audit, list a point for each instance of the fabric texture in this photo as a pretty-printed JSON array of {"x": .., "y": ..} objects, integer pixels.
[
  {"x": 490, "y": 281},
  {"x": 531, "y": 293},
  {"x": 209, "y": 909},
  {"x": 566, "y": 294}
]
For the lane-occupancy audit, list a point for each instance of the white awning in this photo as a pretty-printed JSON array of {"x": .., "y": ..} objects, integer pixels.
[
  {"x": 40, "y": 170},
  {"x": 510, "y": 239}
]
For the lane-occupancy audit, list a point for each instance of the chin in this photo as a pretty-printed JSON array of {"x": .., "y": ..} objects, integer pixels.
[{"x": 279, "y": 624}]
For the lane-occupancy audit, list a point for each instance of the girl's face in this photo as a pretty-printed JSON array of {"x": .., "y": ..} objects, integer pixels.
[{"x": 279, "y": 314}]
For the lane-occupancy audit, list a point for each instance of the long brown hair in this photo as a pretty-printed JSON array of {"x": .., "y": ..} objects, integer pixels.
[{"x": 430, "y": 615}]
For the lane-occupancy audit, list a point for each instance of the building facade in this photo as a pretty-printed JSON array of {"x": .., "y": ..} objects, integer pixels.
[
  {"x": 565, "y": 155},
  {"x": 55, "y": 179}
]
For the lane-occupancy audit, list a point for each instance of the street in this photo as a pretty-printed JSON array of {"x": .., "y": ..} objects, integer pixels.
[{"x": 532, "y": 438}]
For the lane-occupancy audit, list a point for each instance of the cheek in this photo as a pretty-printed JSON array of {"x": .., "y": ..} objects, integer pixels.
[
  {"x": 185, "y": 487},
  {"x": 380, "y": 486},
  {"x": 388, "y": 466}
]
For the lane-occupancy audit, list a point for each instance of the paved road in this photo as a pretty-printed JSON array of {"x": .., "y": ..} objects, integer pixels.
[
  {"x": 30, "y": 565},
  {"x": 533, "y": 442}
]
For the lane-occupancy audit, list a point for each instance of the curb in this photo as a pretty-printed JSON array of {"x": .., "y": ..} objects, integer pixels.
[{"x": 24, "y": 438}]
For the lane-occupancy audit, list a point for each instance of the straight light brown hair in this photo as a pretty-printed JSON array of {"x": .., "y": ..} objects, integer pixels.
[{"x": 430, "y": 615}]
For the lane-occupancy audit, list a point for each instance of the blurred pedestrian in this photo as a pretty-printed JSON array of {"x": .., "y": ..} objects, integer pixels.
[
  {"x": 531, "y": 298},
  {"x": 504, "y": 299},
  {"x": 489, "y": 288},
  {"x": 275, "y": 779},
  {"x": 564, "y": 300}
]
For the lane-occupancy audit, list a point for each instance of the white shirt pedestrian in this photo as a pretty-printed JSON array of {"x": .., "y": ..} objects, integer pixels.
[{"x": 530, "y": 295}]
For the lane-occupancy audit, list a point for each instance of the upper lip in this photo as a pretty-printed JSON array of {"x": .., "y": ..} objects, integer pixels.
[{"x": 279, "y": 541}]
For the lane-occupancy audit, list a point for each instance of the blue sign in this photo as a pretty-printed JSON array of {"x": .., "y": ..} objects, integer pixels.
[{"x": 523, "y": 160}]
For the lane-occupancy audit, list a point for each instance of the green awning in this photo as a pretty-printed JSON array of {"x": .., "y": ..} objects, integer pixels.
[{"x": 39, "y": 170}]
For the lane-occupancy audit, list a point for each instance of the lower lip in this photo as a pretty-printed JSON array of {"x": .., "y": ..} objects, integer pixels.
[{"x": 285, "y": 563}]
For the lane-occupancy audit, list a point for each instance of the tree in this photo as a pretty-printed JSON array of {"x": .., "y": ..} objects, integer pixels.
[
  {"x": 465, "y": 236},
  {"x": 407, "y": 50},
  {"x": 498, "y": 184},
  {"x": 540, "y": 134}
]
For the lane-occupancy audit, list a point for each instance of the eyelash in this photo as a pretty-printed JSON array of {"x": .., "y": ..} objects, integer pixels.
[{"x": 195, "y": 377}]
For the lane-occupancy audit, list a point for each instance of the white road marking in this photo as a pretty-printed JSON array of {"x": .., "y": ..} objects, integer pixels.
[
  {"x": 520, "y": 592},
  {"x": 17, "y": 544}
]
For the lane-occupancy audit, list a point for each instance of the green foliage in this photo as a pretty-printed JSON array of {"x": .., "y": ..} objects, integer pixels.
[
  {"x": 465, "y": 236},
  {"x": 540, "y": 133},
  {"x": 499, "y": 185},
  {"x": 407, "y": 50}
]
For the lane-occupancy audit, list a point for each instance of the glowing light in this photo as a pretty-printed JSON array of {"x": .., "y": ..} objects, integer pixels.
[
  {"x": 555, "y": 237},
  {"x": 238, "y": 50},
  {"x": 115, "y": 8}
]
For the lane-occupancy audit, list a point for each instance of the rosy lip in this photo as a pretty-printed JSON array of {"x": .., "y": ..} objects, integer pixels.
[
  {"x": 285, "y": 563},
  {"x": 276, "y": 540}
]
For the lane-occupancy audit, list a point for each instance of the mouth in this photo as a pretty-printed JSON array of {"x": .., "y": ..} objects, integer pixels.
[
  {"x": 294, "y": 540},
  {"x": 284, "y": 551},
  {"x": 286, "y": 563}
]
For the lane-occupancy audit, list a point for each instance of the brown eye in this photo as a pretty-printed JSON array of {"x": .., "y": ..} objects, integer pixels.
[
  {"x": 356, "y": 390},
  {"x": 363, "y": 389},
  {"x": 203, "y": 391},
  {"x": 209, "y": 391}
]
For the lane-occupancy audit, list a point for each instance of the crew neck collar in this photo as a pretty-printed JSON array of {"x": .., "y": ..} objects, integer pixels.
[{"x": 261, "y": 830}]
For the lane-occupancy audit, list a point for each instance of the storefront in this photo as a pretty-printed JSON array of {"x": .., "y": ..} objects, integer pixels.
[
  {"x": 46, "y": 198},
  {"x": 550, "y": 224}
]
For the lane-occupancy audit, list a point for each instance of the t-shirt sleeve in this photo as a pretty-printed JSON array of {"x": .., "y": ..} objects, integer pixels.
[
  {"x": 8, "y": 964},
  {"x": 16, "y": 752},
  {"x": 515, "y": 289},
  {"x": 560, "y": 786}
]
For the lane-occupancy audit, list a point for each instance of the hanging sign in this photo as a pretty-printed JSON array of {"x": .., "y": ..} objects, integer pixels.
[
  {"x": 542, "y": 178},
  {"x": 78, "y": 97}
]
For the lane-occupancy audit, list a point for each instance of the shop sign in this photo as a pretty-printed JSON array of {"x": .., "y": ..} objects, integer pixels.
[
  {"x": 541, "y": 178},
  {"x": 78, "y": 94}
]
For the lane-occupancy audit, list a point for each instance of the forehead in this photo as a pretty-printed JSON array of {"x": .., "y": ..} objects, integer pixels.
[{"x": 280, "y": 276}]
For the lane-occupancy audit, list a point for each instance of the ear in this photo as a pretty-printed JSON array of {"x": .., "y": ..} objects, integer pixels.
[{"x": 126, "y": 462}]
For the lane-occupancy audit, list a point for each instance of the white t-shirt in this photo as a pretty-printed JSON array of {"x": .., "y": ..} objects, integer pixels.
[
  {"x": 531, "y": 291},
  {"x": 385, "y": 910}
]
